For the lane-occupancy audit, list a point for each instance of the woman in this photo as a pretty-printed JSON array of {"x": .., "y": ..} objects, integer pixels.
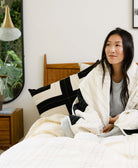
[
  {"x": 118, "y": 53},
  {"x": 106, "y": 89}
]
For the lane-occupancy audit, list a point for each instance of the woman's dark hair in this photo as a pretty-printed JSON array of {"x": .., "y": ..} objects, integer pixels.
[{"x": 128, "y": 48}]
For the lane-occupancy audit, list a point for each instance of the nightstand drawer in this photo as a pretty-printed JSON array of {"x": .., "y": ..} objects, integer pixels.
[
  {"x": 11, "y": 127},
  {"x": 4, "y": 123},
  {"x": 5, "y": 137}
]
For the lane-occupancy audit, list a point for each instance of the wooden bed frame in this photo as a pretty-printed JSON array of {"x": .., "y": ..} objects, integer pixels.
[{"x": 55, "y": 72}]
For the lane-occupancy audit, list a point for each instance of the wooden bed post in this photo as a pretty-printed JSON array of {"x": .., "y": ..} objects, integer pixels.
[{"x": 45, "y": 71}]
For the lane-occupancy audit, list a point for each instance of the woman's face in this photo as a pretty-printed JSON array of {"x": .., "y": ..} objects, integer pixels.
[{"x": 114, "y": 49}]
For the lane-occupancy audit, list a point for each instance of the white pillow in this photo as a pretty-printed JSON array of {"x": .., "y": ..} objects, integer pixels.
[
  {"x": 83, "y": 66},
  {"x": 58, "y": 96}
]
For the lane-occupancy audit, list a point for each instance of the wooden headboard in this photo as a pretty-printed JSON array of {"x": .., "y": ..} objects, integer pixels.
[{"x": 55, "y": 72}]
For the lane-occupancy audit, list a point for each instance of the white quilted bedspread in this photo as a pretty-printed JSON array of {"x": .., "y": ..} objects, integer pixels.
[{"x": 44, "y": 149}]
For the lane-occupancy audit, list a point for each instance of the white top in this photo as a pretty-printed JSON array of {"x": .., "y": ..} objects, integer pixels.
[{"x": 116, "y": 106}]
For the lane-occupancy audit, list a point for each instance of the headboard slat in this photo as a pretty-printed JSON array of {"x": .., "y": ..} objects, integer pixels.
[
  {"x": 63, "y": 66},
  {"x": 45, "y": 75}
]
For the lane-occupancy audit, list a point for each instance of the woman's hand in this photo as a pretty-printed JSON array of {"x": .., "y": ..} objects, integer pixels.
[
  {"x": 108, "y": 128},
  {"x": 113, "y": 119}
]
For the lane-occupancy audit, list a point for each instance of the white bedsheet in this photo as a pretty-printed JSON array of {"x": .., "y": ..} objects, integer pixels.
[{"x": 45, "y": 148}]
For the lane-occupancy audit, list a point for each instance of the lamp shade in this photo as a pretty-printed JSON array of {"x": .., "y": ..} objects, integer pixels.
[
  {"x": 9, "y": 34},
  {"x": 7, "y": 31}
]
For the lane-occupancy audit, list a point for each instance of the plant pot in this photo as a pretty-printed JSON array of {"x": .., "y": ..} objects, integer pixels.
[
  {"x": 1, "y": 102},
  {"x": 16, "y": 91}
]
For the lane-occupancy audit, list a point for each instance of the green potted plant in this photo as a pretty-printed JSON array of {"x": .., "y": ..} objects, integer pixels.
[{"x": 12, "y": 67}]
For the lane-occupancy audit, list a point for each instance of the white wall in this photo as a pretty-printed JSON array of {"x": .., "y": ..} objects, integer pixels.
[{"x": 67, "y": 31}]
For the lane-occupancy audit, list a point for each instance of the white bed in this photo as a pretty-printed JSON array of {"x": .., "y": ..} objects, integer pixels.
[{"x": 45, "y": 147}]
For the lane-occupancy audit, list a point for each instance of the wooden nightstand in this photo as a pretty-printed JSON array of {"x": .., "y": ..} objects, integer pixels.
[{"x": 11, "y": 127}]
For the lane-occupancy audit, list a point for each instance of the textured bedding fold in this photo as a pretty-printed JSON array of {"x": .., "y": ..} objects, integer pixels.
[
  {"x": 83, "y": 151},
  {"x": 45, "y": 147}
]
